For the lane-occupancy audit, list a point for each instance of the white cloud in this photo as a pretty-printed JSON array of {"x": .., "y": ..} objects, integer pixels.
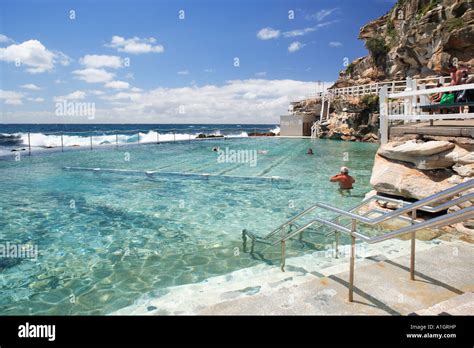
[
  {"x": 34, "y": 55},
  {"x": 135, "y": 89},
  {"x": 298, "y": 32},
  {"x": 11, "y": 97},
  {"x": 77, "y": 95},
  {"x": 93, "y": 75},
  {"x": 30, "y": 86},
  {"x": 135, "y": 45},
  {"x": 211, "y": 103},
  {"x": 183, "y": 72},
  {"x": 117, "y": 85},
  {"x": 295, "y": 46},
  {"x": 320, "y": 15},
  {"x": 96, "y": 92},
  {"x": 268, "y": 33},
  {"x": 335, "y": 44},
  {"x": 4, "y": 39},
  {"x": 101, "y": 61},
  {"x": 251, "y": 101},
  {"x": 37, "y": 100}
]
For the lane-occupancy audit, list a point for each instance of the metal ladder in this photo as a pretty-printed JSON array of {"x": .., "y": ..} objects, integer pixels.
[{"x": 407, "y": 212}]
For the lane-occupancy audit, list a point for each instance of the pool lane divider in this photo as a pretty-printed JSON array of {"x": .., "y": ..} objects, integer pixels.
[{"x": 180, "y": 175}]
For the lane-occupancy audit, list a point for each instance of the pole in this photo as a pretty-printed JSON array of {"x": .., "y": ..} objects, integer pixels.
[
  {"x": 383, "y": 107},
  {"x": 91, "y": 142},
  {"x": 283, "y": 249},
  {"x": 413, "y": 243},
  {"x": 62, "y": 143},
  {"x": 29, "y": 144},
  {"x": 352, "y": 261}
]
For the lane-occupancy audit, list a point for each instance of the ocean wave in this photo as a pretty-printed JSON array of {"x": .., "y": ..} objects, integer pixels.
[
  {"x": 10, "y": 139},
  {"x": 54, "y": 140}
]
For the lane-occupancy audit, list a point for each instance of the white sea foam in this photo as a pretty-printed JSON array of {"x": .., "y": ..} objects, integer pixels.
[{"x": 54, "y": 140}]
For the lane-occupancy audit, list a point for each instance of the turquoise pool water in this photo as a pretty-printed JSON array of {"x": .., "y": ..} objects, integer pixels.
[{"x": 106, "y": 239}]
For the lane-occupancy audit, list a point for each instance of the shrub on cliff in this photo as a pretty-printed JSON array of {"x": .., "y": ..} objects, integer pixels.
[
  {"x": 378, "y": 50},
  {"x": 372, "y": 102}
]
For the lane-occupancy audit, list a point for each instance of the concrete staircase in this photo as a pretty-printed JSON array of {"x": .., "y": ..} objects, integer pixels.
[{"x": 317, "y": 285}]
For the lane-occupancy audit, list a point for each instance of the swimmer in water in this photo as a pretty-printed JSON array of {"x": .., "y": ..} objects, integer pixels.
[{"x": 344, "y": 179}]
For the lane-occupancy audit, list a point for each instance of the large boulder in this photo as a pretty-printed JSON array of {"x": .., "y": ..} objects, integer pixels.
[
  {"x": 429, "y": 155},
  {"x": 466, "y": 170},
  {"x": 402, "y": 179}
]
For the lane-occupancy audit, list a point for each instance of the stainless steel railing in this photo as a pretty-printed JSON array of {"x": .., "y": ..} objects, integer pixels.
[{"x": 400, "y": 213}]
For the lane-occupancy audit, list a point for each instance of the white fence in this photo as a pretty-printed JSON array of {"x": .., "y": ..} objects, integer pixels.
[{"x": 406, "y": 105}]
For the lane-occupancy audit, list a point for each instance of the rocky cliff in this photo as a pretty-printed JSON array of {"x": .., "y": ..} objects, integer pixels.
[{"x": 416, "y": 38}]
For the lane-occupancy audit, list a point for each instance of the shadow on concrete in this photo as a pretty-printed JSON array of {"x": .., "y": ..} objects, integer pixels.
[
  {"x": 375, "y": 302},
  {"x": 427, "y": 279}
]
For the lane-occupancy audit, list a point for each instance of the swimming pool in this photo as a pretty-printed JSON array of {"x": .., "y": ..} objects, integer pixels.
[{"x": 105, "y": 239}]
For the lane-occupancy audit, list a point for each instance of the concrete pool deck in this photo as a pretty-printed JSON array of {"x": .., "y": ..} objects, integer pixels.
[{"x": 316, "y": 284}]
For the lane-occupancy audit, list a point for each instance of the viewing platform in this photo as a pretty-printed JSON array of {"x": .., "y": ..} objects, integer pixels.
[{"x": 447, "y": 128}]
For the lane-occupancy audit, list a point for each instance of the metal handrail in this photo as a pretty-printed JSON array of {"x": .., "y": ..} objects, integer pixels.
[
  {"x": 416, "y": 225},
  {"x": 422, "y": 207},
  {"x": 408, "y": 208}
]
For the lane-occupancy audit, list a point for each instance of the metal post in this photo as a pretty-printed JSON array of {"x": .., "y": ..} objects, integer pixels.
[
  {"x": 91, "y": 142},
  {"x": 337, "y": 244},
  {"x": 383, "y": 107},
  {"x": 413, "y": 243},
  {"x": 352, "y": 261},
  {"x": 283, "y": 249},
  {"x": 329, "y": 105},
  {"x": 321, "y": 114},
  {"x": 29, "y": 144}
]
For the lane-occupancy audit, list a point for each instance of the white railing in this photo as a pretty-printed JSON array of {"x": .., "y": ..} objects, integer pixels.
[
  {"x": 374, "y": 88},
  {"x": 369, "y": 89},
  {"x": 406, "y": 105}
]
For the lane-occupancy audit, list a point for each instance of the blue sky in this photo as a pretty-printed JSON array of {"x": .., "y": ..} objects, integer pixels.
[{"x": 137, "y": 61}]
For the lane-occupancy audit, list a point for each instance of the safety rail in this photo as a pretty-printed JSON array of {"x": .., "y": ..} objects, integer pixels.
[
  {"x": 351, "y": 229},
  {"x": 397, "y": 89},
  {"x": 192, "y": 134},
  {"x": 414, "y": 97}
]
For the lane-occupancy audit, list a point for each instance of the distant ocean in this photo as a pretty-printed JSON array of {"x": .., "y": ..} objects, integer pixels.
[{"x": 49, "y": 135}]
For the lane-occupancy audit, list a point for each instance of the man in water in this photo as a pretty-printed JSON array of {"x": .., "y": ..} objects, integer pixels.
[
  {"x": 310, "y": 151},
  {"x": 344, "y": 179}
]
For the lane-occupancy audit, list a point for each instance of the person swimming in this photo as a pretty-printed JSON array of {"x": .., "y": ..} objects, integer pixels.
[
  {"x": 344, "y": 179},
  {"x": 310, "y": 151},
  {"x": 215, "y": 148}
]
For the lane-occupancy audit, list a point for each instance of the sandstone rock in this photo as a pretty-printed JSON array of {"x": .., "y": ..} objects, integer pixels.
[
  {"x": 466, "y": 170},
  {"x": 429, "y": 155},
  {"x": 400, "y": 179}
]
